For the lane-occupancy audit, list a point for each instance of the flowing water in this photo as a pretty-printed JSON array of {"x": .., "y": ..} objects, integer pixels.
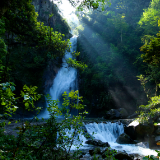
[
  {"x": 109, "y": 132},
  {"x": 65, "y": 80}
]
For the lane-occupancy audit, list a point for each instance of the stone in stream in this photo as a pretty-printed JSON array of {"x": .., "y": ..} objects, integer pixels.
[
  {"x": 122, "y": 155},
  {"x": 140, "y": 130},
  {"x": 124, "y": 139},
  {"x": 97, "y": 142}
]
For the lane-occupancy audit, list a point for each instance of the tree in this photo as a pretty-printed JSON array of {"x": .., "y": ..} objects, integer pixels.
[
  {"x": 150, "y": 17},
  {"x": 151, "y": 56}
]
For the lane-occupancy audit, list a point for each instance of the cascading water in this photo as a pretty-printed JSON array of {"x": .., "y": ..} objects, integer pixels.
[
  {"x": 109, "y": 132},
  {"x": 106, "y": 132},
  {"x": 65, "y": 79}
]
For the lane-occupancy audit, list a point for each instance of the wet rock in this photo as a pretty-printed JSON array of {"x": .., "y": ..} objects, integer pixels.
[
  {"x": 97, "y": 142},
  {"x": 124, "y": 139},
  {"x": 140, "y": 130},
  {"x": 121, "y": 156},
  {"x": 130, "y": 130},
  {"x": 91, "y": 152},
  {"x": 143, "y": 144}
]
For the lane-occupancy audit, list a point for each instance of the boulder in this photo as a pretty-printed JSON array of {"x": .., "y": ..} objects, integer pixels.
[
  {"x": 130, "y": 130},
  {"x": 121, "y": 156},
  {"x": 153, "y": 142},
  {"x": 116, "y": 114},
  {"x": 124, "y": 139},
  {"x": 140, "y": 130},
  {"x": 112, "y": 114},
  {"x": 123, "y": 113},
  {"x": 97, "y": 142}
]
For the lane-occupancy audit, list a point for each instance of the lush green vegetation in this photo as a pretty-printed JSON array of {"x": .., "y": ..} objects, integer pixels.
[
  {"x": 27, "y": 46},
  {"x": 150, "y": 21},
  {"x": 110, "y": 43}
]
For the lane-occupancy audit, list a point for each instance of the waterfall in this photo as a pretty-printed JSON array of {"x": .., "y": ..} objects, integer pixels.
[
  {"x": 65, "y": 79},
  {"x": 106, "y": 132},
  {"x": 109, "y": 132}
]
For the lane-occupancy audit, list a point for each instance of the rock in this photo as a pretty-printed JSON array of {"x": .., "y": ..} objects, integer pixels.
[
  {"x": 134, "y": 115},
  {"x": 157, "y": 138},
  {"x": 143, "y": 144},
  {"x": 112, "y": 114},
  {"x": 158, "y": 131},
  {"x": 130, "y": 130},
  {"x": 97, "y": 150},
  {"x": 124, "y": 139},
  {"x": 116, "y": 114},
  {"x": 121, "y": 156},
  {"x": 91, "y": 152},
  {"x": 97, "y": 142},
  {"x": 123, "y": 113},
  {"x": 140, "y": 130}
]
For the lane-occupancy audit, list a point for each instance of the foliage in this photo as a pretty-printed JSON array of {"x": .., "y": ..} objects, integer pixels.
[
  {"x": 36, "y": 141},
  {"x": 88, "y": 4},
  {"x": 151, "y": 51},
  {"x": 109, "y": 43},
  {"x": 151, "y": 57},
  {"x": 74, "y": 63},
  {"x": 110, "y": 154},
  {"x": 56, "y": 21},
  {"x": 150, "y": 110},
  {"x": 150, "y": 17}
]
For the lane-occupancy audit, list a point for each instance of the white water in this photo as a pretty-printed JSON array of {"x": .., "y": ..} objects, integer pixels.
[
  {"x": 109, "y": 132},
  {"x": 65, "y": 79}
]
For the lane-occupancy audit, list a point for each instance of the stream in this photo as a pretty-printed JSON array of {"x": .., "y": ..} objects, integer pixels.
[
  {"x": 66, "y": 80},
  {"x": 109, "y": 132}
]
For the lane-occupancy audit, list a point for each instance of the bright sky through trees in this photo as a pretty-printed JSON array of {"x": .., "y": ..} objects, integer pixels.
[{"x": 67, "y": 11}]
